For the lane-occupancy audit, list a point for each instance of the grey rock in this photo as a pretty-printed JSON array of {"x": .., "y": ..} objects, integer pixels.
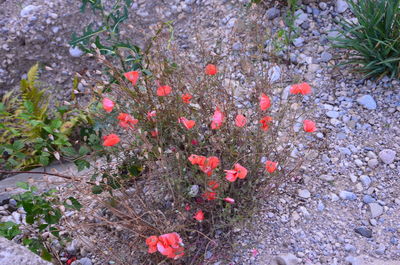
[
  {"x": 344, "y": 150},
  {"x": 326, "y": 57},
  {"x": 304, "y": 193},
  {"x": 347, "y": 195},
  {"x": 29, "y": 10},
  {"x": 376, "y": 209},
  {"x": 298, "y": 42},
  {"x": 327, "y": 177},
  {"x": 365, "y": 180},
  {"x": 75, "y": 52},
  {"x": 367, "y": 101},
  {"x": 368, "y": 199},
  {"x": 323, "y": 5},
  {"x": 237, "y": 46},
  {"x": 194, "y": 190},
  {"x": 350, "y": 248},
  {"x": 381, "y": 249},
  {"x": 272, "y": 13},
  {"x": 301, "y": 17},
  {"x": 341, "y": 6},
  {"x": 387, "y": 156},
  {"x": 332, "y": 114},
  {"x": 363, "y": 231},
  {"x": 274, "y": 74},
  {"x": 320, "y": 206},
  {"x": 13, "y": 254},
  {"x": 373, "y": 163},
  {"x": 285, "y": 259},
  {"x": 82, "y": 261}
]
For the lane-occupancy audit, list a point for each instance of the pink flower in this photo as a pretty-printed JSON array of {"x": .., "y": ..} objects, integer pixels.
[
  {"x": 189, "y": 124},
  {"x": 132, "y": 76},
  {"x": 309, "y": 126},
  {"x": 270, "y": 166},
  {"x": 186, "y": 98},
  {"x": 170, "y": 245},
  {"x": 229, "y": 200},
  {"x": 110, "y": 140},
  {"x": 265, "y": 102},
  {"x": 154, "y": 133},
  {"x": 265, "y": 121},
  {"x": 108, "y": 104},
  {"x": 126, "y": 120},
  {"x": 209, "y": 195},
  {"x": 240, "y": 120},
  {"x": 302, "y": 88},
  {"x": 211, "y": 69},
  {"x": 199, "y": 216},
  {"x": 217, "y": 119},
  {"x": 151, "y": 114},
  {"x": 163, "y": 91},
  {"x": 238, "y": 172}
]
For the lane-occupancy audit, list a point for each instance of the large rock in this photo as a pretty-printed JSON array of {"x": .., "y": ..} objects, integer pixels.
[{"x": 14, "y": 254}]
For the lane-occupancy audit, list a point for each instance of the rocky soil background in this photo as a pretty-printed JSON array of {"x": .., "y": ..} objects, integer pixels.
[{"x": 345, "y": 208}]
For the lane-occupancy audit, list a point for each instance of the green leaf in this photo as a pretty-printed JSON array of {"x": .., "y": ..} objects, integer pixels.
[
  {"x": 74, "y": 204},
  {"x": 18, "y": 145},
  {"x": 23, "y": 185},
  {"x": 44, "y": 160},
  {"x": 55, "y": 124},
  {"x": 69, "y": 151},
  {"x": 29, "y": 106},
  {"x": 81, "y": 164},
  {"x": 97, "y": 189},
  {"x": 9, "y": 230},
  {"x": 45, "y": 255},
  {"x": 83, "y": 150}
]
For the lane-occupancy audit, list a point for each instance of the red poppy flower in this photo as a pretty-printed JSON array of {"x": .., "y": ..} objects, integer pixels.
[
  {"x": 238, "y": 172},
  {"x": 194, "y": 142},
  {"x": 154, "y": 133},
  {"x": 170, "y": 245},
  {"x": 265, "y": 102},
  {"x": 265, "y": 122},
  {"x": 213, "y": 184},
  {"x": 209, "y": 165},
  {"x": 110, "y": 140},
  {"x": 197, "y": 160},
  {"x": 199, "y": 215},
  {"x": 132, "y": 76},
  {"x": 208, "y": 195},
  {"x": 217, "y": 119},
  {"x": 309, "y": 126},
  {"x": 126, "y": 120},
  {"x": 270, "y": 166},
  {"x": 189, "y": 124},
  {"x": 240, "y": 120},
  {"x": 151, "y": 114},
  {"x": 186, "y": 98},
  {"x": 163, "y": 91},
  {"x": 302, "y": 88},
  {"x": 108, "y": 104},
  {"x": 211, "y": 69},
  {"x": 152, "y": 241},
  {"x": 229, "y": 200}
]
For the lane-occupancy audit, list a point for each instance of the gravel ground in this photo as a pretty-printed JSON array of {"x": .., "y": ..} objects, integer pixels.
[{"x": 345, "y": 208}]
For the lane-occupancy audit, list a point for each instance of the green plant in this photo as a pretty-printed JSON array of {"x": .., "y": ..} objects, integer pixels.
[
  {"x": 106, "y": 37},
  {"x": 31, "y": 135},
  {"x": 373, "y": 39},
  {"x": 9, "y": 230},
  {"x": 42, "y": 213}
]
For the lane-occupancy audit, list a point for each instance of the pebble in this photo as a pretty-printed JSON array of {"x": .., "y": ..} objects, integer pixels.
[
  {"x": 285, "y": 259},
  {"x": 368, "y": 199},
  {"x": 274, "y": 74},
  {"x": 323, "y": 5},
  {"x": 381, "y": 249},
  {"x": 347, "y": 195},
  {"x": 365, "y": 232},
  {"x": 28, "y": 10},
  {"x": 376, "y": 209},
  {"x": 332, "y": 114},
  {"x": 367, "y": 101},
  {"x": 327, "y": 177},
  {"x": 350, "y": 248},
  {"x": 304, "y": 193},
  {"x": 365, "y": 180},
  {"x": 82, "y": 261},
  {"x": 75, "y": 52},
  {"x": 272, "y": 13},
  {"x": 320, "y": 206},
  {"x": 326, "y": 57},
  {"x": 373, "y": 163},
  {"x": 341, "y": 6},
  {"x": 387, "y": 156},
  {"x": 298, "y": 42}
]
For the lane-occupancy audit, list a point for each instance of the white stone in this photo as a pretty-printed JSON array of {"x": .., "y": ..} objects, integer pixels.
[
  {"x": 28, "y": 10},
  {"x": 75, "y": 52}
]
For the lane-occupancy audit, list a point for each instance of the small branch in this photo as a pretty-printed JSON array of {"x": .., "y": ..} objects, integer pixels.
[{"x": 46, "y": 173}]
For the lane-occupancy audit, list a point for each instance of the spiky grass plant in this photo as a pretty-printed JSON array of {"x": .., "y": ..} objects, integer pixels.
[{"x": 373, "y": 39}]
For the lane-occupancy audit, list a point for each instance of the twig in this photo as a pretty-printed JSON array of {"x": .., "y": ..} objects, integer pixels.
[{"x": 46, "y": 173}]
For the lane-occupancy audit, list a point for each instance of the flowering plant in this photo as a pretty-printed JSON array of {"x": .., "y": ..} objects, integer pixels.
[{"x": 200, "y": 145}]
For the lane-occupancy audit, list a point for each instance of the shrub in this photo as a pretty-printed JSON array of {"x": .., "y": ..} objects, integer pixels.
[
  {"x": 373, "y": 38},
  {"x": 31, "y": 134},
  {"x": 189, "y": 153}
]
